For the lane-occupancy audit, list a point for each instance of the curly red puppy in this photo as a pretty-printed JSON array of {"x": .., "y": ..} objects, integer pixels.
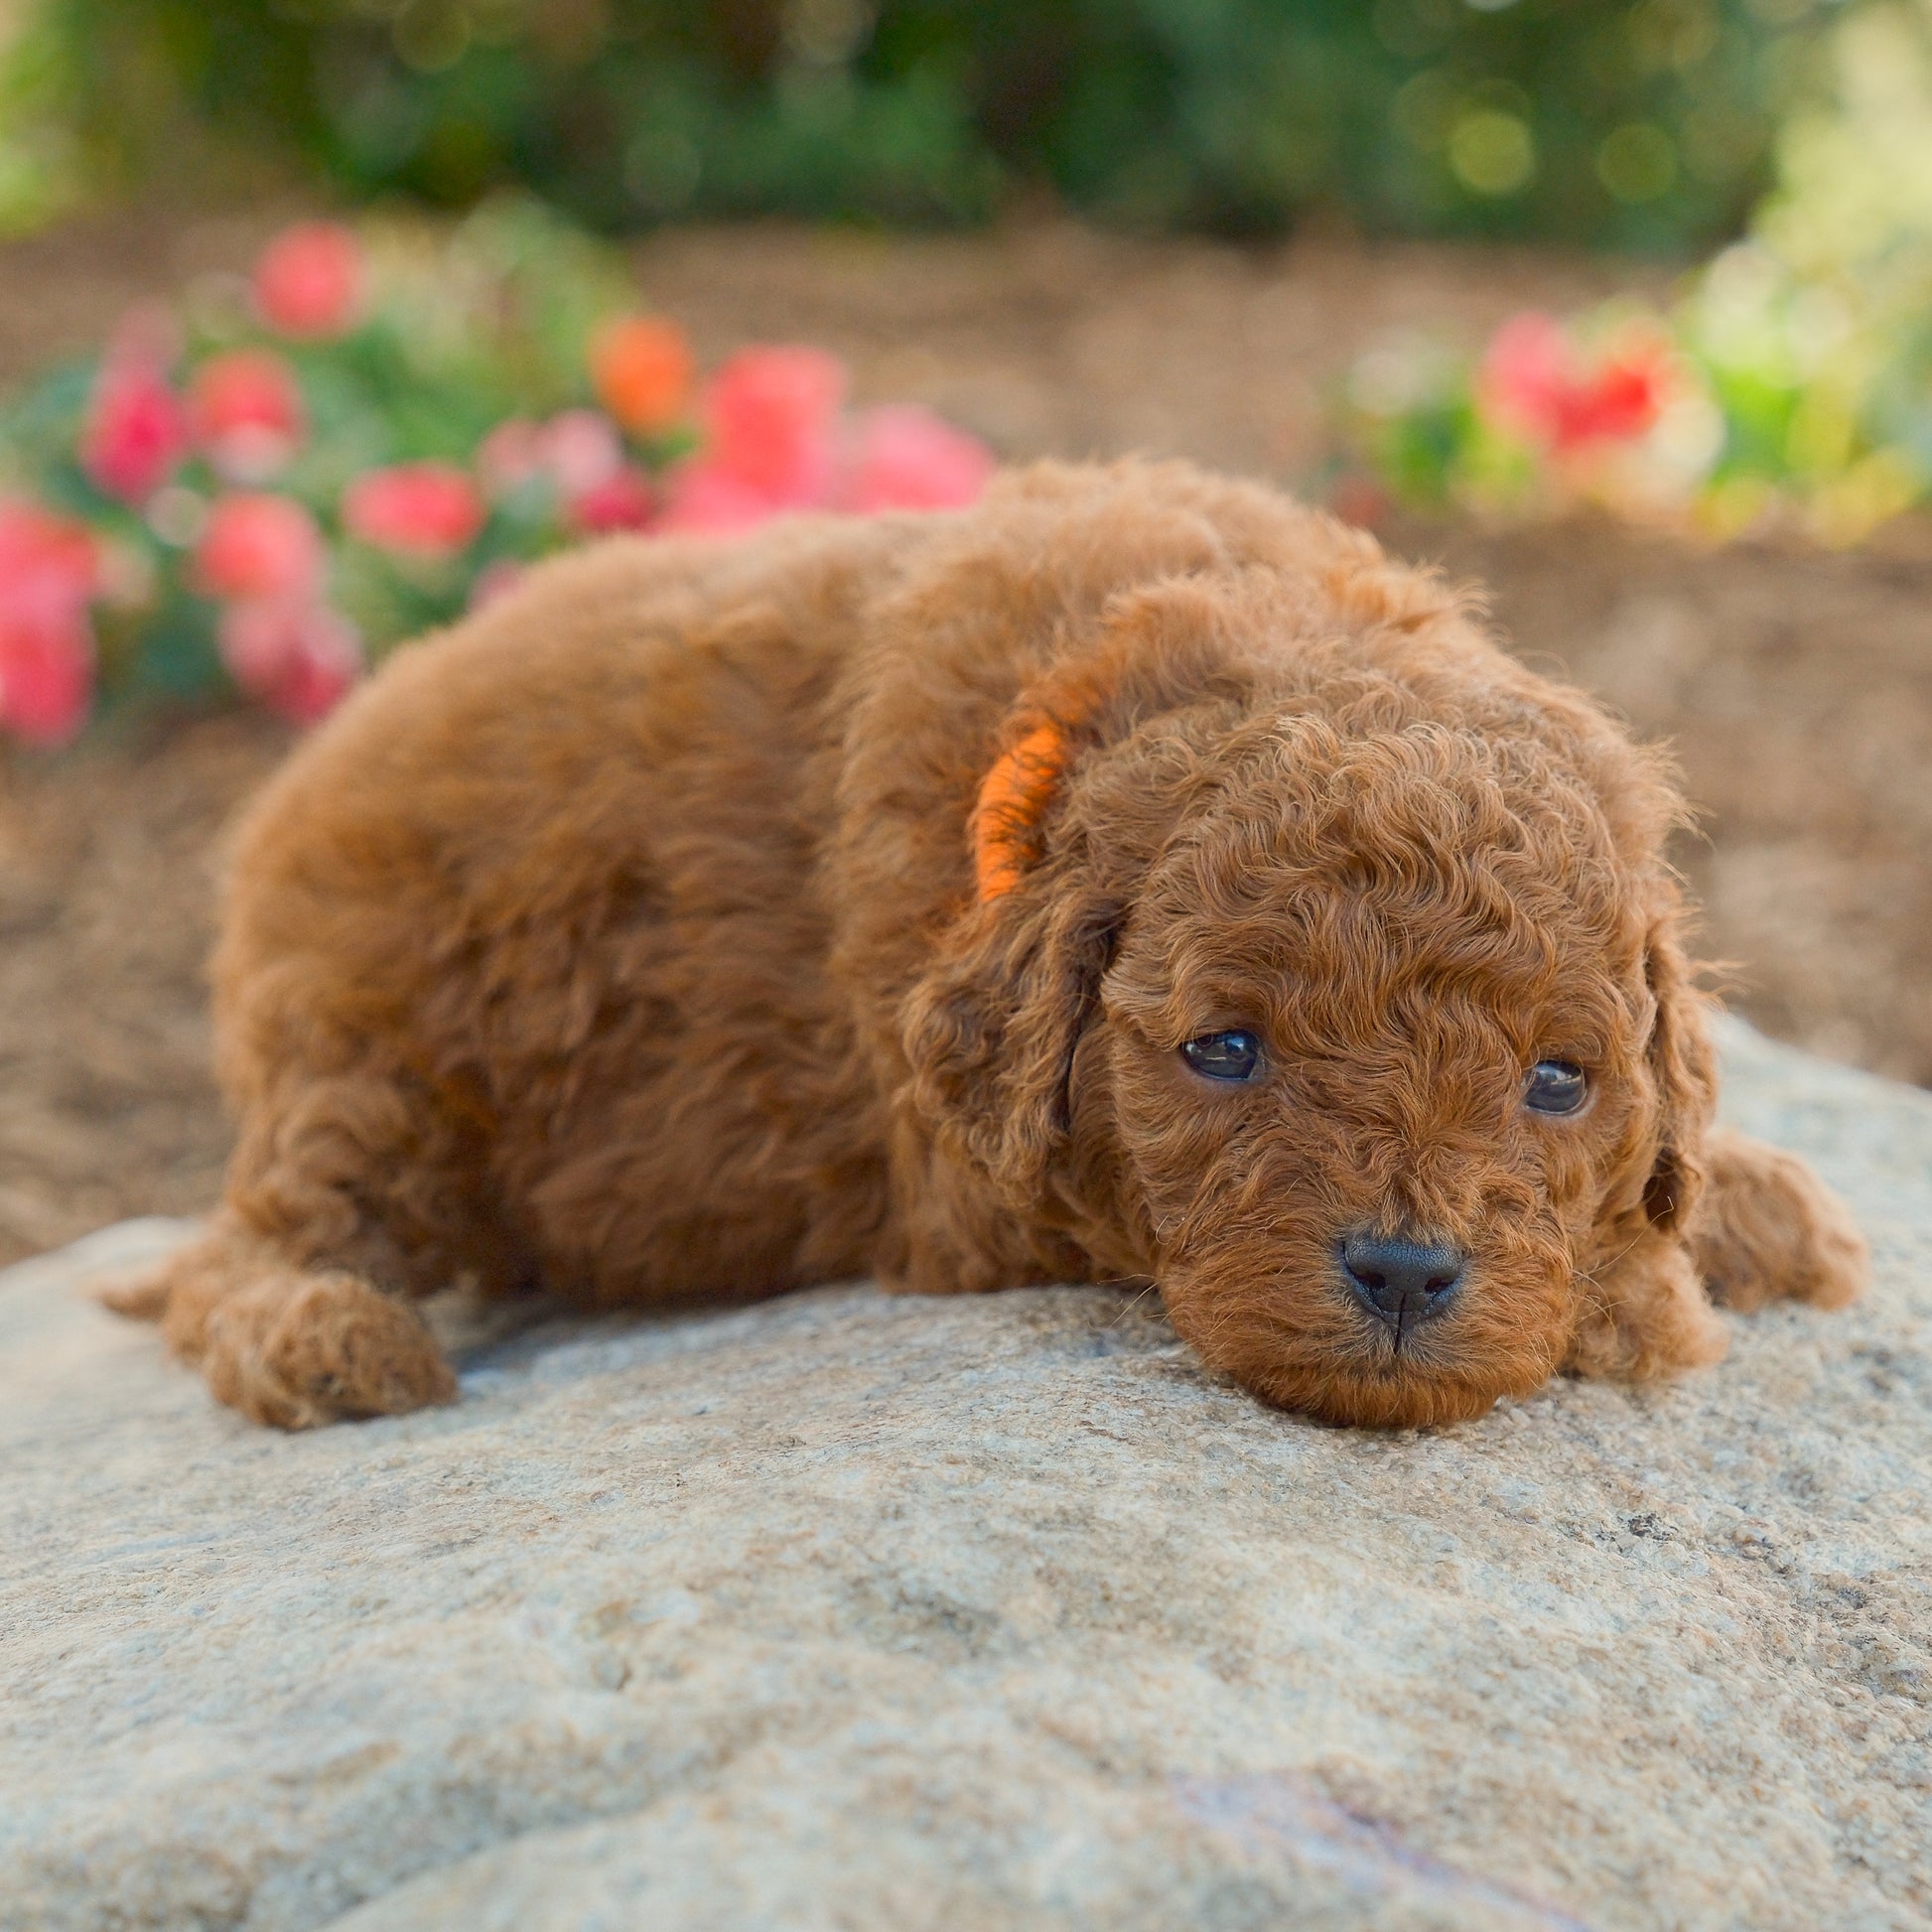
[{"x": 1135, "y": 877}]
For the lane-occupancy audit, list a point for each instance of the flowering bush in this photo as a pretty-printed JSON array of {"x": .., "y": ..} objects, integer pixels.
[
  {"x": 1607, "y": 409},
  {"x": 1791, "y": 384},
  {"x": 274, "y": 480}
]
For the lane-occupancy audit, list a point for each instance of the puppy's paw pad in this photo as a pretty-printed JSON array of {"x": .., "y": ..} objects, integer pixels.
[{"x": 327, "y": 1349}]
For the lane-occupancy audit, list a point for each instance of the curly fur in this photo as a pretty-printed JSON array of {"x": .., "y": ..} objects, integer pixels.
[{"x": 659, "y": 930}]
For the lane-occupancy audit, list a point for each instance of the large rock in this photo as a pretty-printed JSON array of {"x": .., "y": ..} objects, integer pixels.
[{"x": 848, "y": 1612}]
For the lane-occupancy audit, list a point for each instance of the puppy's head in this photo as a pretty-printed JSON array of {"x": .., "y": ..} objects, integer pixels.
[{"x": 1353, "y": 1014}]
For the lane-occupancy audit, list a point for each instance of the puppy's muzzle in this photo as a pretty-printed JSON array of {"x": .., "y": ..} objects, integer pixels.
[{"x": 1400, "y": 1280}]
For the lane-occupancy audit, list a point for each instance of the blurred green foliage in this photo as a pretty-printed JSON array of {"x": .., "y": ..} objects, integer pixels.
[{"x": 1630, "y": 123}]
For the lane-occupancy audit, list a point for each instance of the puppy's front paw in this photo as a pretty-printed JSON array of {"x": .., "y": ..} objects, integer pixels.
[
  {"x": 1768, "y": 1227},
  {"x": 298, "y": 1352}
]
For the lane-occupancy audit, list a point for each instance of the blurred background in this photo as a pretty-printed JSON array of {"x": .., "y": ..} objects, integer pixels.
[{"x": 319, "y": 319}]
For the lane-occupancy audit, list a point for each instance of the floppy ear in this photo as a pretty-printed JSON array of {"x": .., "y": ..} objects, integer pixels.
[
  {"x": 1684, "y": 1068},
  {"x": 1647, "y": 1313},
  {"x": 991, "y": 1031}
]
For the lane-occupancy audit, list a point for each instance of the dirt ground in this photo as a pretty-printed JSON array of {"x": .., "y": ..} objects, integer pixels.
[{"x": 1797, "y": 687}]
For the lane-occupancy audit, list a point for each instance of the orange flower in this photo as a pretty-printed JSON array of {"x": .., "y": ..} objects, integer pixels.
[{"x": 642, "y": 369}]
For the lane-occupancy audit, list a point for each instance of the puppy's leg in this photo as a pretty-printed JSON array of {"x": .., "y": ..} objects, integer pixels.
[
  {"x": 344, "y": 1193},
  {"x": 1645, "y": 1313},
  {"x": 287, "y": 1344},
  {"x": 1768, "y": 1227}
]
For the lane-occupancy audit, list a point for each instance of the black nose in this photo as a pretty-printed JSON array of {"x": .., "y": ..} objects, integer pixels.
[{"x": 1403, "y": 1282}]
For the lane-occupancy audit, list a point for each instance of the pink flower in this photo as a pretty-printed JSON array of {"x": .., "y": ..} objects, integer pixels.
[
  {"x": 259, "y": 546},
  {"x": 580, "y": 450},
  {"x": 577, "y": 452},
  {"x": 496, "y": 581},
  {"x": 49, "y": 570},
  {"x": 248, "y": 413},
  {"x": 136, "y": 431},
  {"x": 510, "y": 456},
  {"x": 309, "y": 281},
  {"x": 1525, "y": 374},
  {"x": 425, "y": 509},
  {"x": 297, "y": 655},
  {"x": 770, "y": 421},
  {"x": 581, "y": 456},
  {"x": 907, "y": 459},
  {"x": 624, "y": 500},
  {"x": 46, "y": 560},
  {"x": 707, "y": 500},
  {"x": 1533, "y": 381},
  {"x": 47, "y": 674}
]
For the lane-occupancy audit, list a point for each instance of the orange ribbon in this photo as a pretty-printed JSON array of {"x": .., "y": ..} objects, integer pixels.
[{"x": 1013, "y": 799}]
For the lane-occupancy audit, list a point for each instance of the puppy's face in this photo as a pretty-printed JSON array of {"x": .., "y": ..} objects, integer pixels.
[{"x": 1374, "y": 1066}]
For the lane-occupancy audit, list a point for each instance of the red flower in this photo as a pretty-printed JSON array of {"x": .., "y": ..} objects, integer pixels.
[
  {"x": 771, "y": 419},
  {"x": 49, "y": 572},
  {"x": 907, "y": 459},
  {"x": 1532, "y": 381},
  {"x": 642, "y": 369},
  {"x": 297, "y": 655},
  {"x": 136, "y": 431},
  {"x": 1624, "y": 399},
  {"x": 622, "y": 501},
  {"x": 426, "y": 509},
  {"x": 259, "y": 546},
  {"x": 248, "y": 413},
  {"x": 309, "y": 281}
]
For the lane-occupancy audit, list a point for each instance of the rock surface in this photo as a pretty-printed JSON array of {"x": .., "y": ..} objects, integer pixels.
[{"x": 854, "y": 1612}]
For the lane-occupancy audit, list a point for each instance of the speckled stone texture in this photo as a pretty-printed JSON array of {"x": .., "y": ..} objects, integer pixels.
[{"x": 849, "y": 1611}]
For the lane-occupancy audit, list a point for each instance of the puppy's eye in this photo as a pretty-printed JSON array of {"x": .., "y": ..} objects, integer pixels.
[
  {"x": 1555, "y": 1087},
  {"x": 1223, "y": 1057}
]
